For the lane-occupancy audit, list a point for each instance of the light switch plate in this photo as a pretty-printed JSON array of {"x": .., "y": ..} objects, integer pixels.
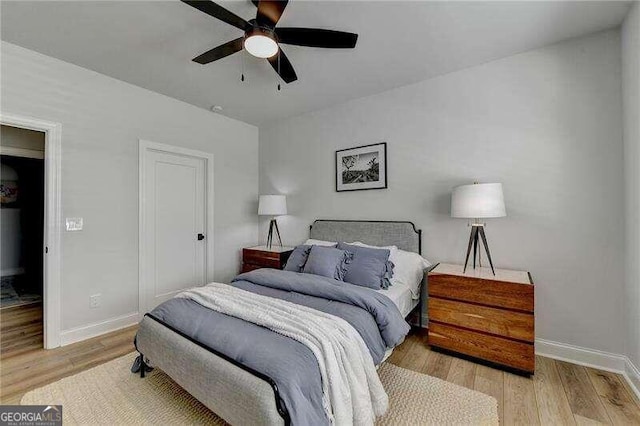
[{"x": 74, "y": 224}]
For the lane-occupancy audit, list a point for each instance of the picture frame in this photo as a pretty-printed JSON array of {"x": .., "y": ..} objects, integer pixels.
[{"x": 361, "y": 168}]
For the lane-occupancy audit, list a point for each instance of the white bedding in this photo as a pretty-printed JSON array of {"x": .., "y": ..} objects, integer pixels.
[{"x": 402, "y": 297}]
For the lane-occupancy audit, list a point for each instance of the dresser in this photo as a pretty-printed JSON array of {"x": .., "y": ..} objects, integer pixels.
[
  {"x": 486, "y": 317},
  {"x": 264, "y": 257}
]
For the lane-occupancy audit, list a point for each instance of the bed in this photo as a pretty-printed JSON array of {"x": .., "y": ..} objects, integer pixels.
[{"x": 235, "y": 390}]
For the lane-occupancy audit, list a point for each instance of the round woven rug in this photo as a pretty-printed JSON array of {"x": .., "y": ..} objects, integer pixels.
[{"x": 110, "y": 394}]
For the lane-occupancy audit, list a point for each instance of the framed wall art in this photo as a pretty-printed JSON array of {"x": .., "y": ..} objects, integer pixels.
[{"x": 362, "y": 167}]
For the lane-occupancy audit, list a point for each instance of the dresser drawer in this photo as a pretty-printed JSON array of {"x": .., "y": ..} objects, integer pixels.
[
  {"x": 499, "y": 350},
  {"x": 246, "y": 267},
  {"x": 515, "y": 325},
  {"x": 263, "y": 259},
  {"x": 498, "y": 294}
]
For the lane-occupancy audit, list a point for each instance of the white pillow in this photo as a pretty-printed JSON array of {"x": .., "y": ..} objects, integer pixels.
[
  {"x": 409, "y": 270},
  {"x": 408, "y": 267},
  {"x": 392, "y": 249},
  {"x": 312, "y": 242}
]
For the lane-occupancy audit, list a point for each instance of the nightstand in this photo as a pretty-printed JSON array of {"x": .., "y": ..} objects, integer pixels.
[
  {"x": 264, "y": 257},
  {"x": 486, "y": 317}
]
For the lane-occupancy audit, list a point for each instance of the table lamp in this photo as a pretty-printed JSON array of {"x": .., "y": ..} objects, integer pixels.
[
  {"x": 475, "y": 202},
  {"x": 272, "y": 205}
]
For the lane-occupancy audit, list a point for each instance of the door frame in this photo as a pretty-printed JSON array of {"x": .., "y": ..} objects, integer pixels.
[
  {"x": 52, "y": 252},
  {"x": 146, "y": 146}
]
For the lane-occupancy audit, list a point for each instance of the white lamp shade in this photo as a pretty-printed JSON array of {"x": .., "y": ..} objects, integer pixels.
[
  {"x": 477, "y": 201},
  {"x": 272, "y": 205}
]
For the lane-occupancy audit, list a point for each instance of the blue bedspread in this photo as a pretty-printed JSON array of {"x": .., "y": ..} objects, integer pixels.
[{"x": 289, "y": 363}]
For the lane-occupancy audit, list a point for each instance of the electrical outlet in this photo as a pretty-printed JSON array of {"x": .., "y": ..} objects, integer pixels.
[{"x": 94, "y": 301}]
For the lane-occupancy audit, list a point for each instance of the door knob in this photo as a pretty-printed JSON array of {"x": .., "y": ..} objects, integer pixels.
[{"x": 200, "y": 237}]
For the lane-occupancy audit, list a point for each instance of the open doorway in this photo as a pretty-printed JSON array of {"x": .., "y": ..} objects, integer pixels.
[{"x": 22, "y": 215}]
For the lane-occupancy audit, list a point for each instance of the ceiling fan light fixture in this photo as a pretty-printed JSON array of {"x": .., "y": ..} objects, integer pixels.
[
  {"x": 260, "y": 44},
  {"x": 262, "y": 37}
]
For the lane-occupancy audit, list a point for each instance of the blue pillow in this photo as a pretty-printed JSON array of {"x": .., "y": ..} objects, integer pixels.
[
  {"x": 386, "y": 280},
  {"x": 298, "y": 258},
  {"x": 369, "y": 267},
  {"x": 326, "y": 261}
]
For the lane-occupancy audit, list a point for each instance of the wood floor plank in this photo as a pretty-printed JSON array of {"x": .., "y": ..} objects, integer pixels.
[
  {"x": 491, "y": 381},
  {"x": 20, "y": 329},
  {"x": 416, "y": 356},
  {"x": 552, "y": 403},
  {"x": 437, "y": 365},
  {"x": 401, "y": 351},
  {"x": 583, "y": 421},
  {"x": 520, "y": 406},
  {"x": 621, "y": 408},
  {"x": 126, "y": 337},
  {"x": 462, "y": 372},
  {"x": 27, "y": 370},
  {"x": 38, "y": 367},
  {"x": 23, "y": 381},
  {"x": 582, "y": 396},
  {"x": 100, "y": 357}
]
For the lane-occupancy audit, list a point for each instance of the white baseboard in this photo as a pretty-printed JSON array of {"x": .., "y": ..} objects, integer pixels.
[
  {"x": 632, "y": 374},
  {"x": 96, "y": 329},
  {"x": 594, "y": 358},
  {"x": 582, "y": 356}
]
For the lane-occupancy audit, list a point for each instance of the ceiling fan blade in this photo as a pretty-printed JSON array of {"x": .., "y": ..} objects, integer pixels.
[
  {"x": 270, "y": 11},
  {"x": 220, "y": 52},
  {"x": 283, "y": 67},
  {"x": 313, "y": 37},
  {"x": 219, "y": 12}
]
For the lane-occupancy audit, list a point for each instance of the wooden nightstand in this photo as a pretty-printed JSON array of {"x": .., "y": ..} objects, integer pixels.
[
  {"x": 483, "y": 316},
  {"x": 263, "y": 257}
]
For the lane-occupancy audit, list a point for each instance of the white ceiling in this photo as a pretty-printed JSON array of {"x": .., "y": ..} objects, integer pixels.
[{"x": 151, "y": 44}]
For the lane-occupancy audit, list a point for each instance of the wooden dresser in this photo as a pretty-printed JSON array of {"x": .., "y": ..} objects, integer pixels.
[
  {"x": 263, "y": 257},
  {"x": 483, "y": 316}
]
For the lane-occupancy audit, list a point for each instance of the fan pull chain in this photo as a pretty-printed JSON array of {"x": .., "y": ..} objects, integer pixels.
[
  {"x": 278, "y": 69},
  {"x": 242, "y": 69}
]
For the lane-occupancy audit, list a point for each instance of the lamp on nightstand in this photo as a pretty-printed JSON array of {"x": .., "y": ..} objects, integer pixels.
[
  {"x": 272, "y": 205},
  {"x": 478, "y": 201}
]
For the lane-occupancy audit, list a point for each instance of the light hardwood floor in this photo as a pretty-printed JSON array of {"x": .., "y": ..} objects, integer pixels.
[
  {"x": 559, "y": 393},
  {"x": 20, "y": 329},
  {"x": 25, "y": 365}
]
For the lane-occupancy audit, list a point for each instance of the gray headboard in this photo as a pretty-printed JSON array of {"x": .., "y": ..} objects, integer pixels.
[{"x": 404, "y": 235}]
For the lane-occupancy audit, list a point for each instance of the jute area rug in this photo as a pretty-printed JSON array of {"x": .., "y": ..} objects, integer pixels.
[{"x": 110, "y": 394}]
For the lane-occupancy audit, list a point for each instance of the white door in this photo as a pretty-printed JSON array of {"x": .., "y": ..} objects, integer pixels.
[{"x": 174, "y": 213}]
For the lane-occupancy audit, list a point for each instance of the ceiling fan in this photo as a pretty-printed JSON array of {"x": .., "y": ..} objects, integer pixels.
[{"x": 261, "y": 37}]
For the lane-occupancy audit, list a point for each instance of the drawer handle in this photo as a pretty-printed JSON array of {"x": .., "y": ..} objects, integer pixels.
[{"x": 474, "y": 316}]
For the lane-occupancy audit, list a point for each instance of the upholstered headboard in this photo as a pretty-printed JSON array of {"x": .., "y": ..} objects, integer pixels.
[{"x": 402, "y": 234}]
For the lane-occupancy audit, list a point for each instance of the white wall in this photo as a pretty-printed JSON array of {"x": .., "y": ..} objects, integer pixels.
[
  {"x": 631, "y": 102},
  {"x": 546, "y": 123},
  {"x": 102, "y": 120}
]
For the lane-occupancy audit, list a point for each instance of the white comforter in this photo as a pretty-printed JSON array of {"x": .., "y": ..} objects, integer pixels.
[{"x": 352, "y": 391}]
